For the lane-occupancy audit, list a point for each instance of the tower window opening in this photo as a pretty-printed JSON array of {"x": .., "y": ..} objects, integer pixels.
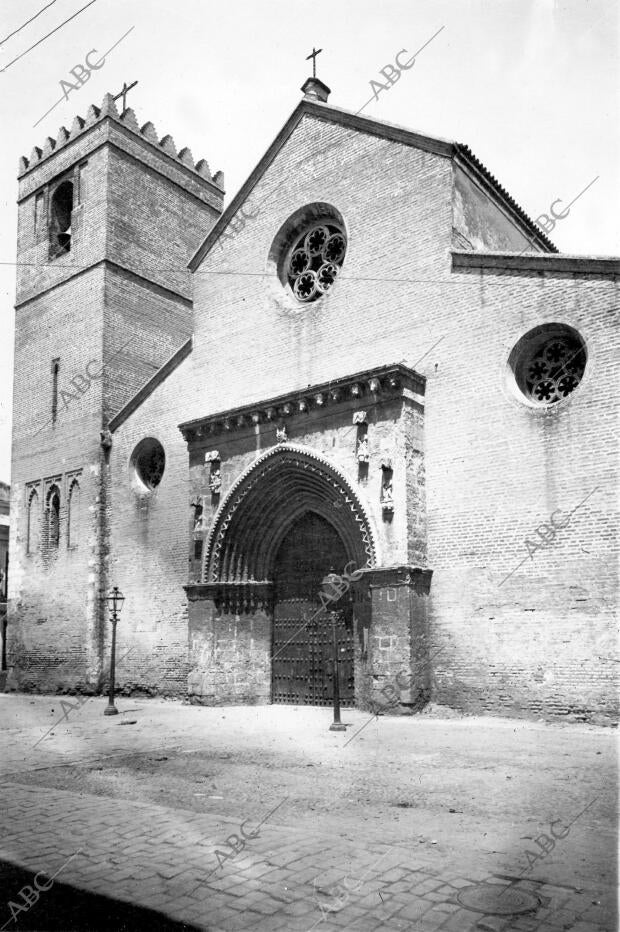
[
  {"x": 34, "y": 518},
  {"x": 61, "y": 209},
  {"x": 53, "y": 519}
]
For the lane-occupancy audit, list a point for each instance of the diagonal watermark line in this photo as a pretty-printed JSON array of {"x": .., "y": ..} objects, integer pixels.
[
  {"x": 52, "y": 877},
  {"x": 225, "y": 235},
  {"x": 356, "y": 733},
  {"x": 418, "y": 671},
  {"x": 253, "y": 834},
  {"x": 66, "y": 715},
  {"x": 556, "y": 218},
  {"x": 428, "y": 351},
  {"x": 66, "y": 96},
  {"x": 582, "y": 192},
  {"x": 354, "y": 890},
  {"x": 131, "y": 340},
  {"x": 298, "y": 631},
  {"x": 512, "y": 572},
  {"x": 572, "y": 822},
  {"x": 570, "y": 514},
  {"x": 374, "y": 97}
]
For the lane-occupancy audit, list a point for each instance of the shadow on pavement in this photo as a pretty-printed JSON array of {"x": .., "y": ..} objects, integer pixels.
[{"x": 64, "y": 908}]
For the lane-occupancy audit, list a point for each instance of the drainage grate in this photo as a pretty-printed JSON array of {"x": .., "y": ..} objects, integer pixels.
[{"x": 496, "y": 900}]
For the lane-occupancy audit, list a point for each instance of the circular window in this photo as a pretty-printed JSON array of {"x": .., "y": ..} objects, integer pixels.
[
  {"x": 548, "y": 363},
  {"x": 149, "y": 462},
  {"x": 315, "y": 260}
]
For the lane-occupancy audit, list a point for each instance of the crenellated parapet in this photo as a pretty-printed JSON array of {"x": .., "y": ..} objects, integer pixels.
[{"x": 127, "y": 118}]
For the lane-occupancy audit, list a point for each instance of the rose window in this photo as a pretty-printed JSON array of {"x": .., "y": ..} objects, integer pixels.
[
  {"x": 553, "y": 369},
  {"x": 316, "y": 261}
]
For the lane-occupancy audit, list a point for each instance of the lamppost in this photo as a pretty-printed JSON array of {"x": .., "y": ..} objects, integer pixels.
[
  {"x": 115, "y": 600},
  {"x": 332, "y": 580},
  {"x": 336, "y": 725}
]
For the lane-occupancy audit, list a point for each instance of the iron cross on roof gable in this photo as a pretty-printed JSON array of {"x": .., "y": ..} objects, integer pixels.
[
  {"x": 313, "y": 54},
  {"x": 123, "y": 93}
]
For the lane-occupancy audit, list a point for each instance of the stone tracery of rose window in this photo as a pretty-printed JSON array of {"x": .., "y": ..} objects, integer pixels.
[
  {"x": 315, "y": 261},
  {"x": 554, "y": 370}
]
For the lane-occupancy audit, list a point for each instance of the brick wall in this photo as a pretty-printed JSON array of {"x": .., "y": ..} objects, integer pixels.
[
  {"x": 138, "y": 216},
  {"x": 152, "y": 539},
  {"x": 149, "y": 545},
  {"x": 535, "y": 644},
  {"x": 52, "y": 630},
  {"x": 538, "y": 643},
  {"x": 494, "y": 467}
]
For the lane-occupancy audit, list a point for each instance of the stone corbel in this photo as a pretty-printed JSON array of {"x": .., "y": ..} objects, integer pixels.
[
  {"x": 215, "y": 481},
  {"x": 363, "y": 454}
]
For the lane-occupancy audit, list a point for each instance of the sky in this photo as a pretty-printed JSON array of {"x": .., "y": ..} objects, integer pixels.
[{"x": 532, "y": 86}]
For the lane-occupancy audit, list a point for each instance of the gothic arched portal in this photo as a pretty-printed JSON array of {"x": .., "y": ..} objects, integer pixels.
[
  {"x": 291, "y": 519},
  {"x": 305, "y": 631},
  {"x": 279, "y": 487}
]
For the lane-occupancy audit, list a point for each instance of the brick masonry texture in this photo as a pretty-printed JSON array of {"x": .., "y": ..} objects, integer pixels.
[
  {"x": 477, "y": 471},
  {"x": 117, "y": 305}
]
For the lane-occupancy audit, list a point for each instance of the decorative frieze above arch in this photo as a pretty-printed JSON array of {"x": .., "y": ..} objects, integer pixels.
[
  {"x": 234, "y": 597},
  {"x": 362, "y": 388},
  {"x": 264, "y": 502}
]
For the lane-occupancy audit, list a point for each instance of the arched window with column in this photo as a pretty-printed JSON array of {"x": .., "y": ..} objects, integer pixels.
[
  {"x": 61, "y": 212},
  {"x": 73, "y": 514},
  {"x": 33, "y": 523},
  {"x": 52, "y": 519}
]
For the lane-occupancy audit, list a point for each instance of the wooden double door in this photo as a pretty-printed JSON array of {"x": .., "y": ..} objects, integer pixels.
[{"x": 303, "y": 630}]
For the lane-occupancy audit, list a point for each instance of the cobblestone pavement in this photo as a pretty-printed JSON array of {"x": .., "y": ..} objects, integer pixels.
[{"x": 306, "y": 871}]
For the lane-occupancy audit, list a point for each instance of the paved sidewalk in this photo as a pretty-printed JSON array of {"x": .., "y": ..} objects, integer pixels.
[
  {"x": 343, "y": 858},
  {"x": 167, "y": 861}
]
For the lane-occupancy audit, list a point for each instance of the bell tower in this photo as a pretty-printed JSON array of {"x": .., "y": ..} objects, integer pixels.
[{"x": 109, "y": 215}]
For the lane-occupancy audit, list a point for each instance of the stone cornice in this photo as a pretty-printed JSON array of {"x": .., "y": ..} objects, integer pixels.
[
  {"x": 535, "y": 262},
  {"x": 108, "y": 263},
  {"x": 381, "y": 383}
]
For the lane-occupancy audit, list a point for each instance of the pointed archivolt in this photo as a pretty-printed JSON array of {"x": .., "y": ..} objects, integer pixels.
[{"x": 273, "y": 493}]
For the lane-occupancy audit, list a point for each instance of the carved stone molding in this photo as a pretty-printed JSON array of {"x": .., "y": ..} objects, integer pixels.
[
  {"x": 234, "y": 597},
  {"x": 382, "y": 383},
  {"x": 263, "y": 469},
  {"x": 417, "y": 578},
  {"x": 363, "y": 453}
]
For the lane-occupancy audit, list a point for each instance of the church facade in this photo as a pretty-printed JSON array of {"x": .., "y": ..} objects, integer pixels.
[{"x": 357, "y": 411}]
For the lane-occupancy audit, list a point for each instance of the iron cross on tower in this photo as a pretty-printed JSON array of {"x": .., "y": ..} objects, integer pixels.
[
  {"x": 123, "y": 93},
  {"x": 313, "y": 54}
]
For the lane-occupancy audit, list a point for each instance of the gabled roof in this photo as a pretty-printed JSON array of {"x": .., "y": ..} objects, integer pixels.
[{"x": 328, "y": 113}]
